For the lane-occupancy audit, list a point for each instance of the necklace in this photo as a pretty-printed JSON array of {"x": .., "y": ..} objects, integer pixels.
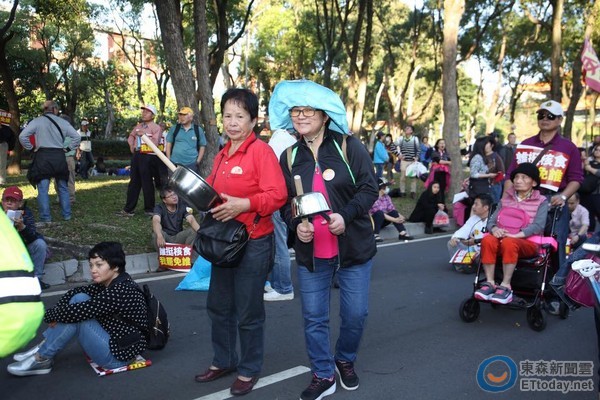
[{"x": 310, "y": 141}]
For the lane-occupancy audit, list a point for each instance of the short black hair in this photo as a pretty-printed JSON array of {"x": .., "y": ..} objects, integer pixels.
[
  {"x": 111, "y": 252},
  {"x": 485, "y": 199},
  {"x": 165, "y": 190},
  {"x": 244, "y": 97}
]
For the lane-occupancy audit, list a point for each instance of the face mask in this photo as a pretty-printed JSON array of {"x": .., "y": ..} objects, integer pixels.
[
  {"x": 386, "y": 190},
  {"x": 388, "y": 141}
]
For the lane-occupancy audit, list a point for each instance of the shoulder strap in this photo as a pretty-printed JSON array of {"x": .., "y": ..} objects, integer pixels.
[
  {"x": 291, "y": 155},
  {"x": 175, "y": 132},
  {"x": 197, "y": 132},
  {"x": 546, "y": 148},
  {"x": 57, "y": 127}
]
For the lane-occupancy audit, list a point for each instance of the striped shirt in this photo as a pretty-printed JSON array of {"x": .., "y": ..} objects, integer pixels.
[{"x": 409, "y": 148}]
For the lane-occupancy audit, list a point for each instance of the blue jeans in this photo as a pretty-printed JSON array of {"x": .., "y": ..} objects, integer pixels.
[
  {"x": 43, "y": 200},
  {"x": 281, "y": 276},
  {"x": 315, "y": 288},
  {"x": 379, "y": 170},
  {"x": 496, "y": 192},
  {"x": 37, "y": 251},
  {"x": 235, "y": 306},
  {"x": 90, "y": 334}
]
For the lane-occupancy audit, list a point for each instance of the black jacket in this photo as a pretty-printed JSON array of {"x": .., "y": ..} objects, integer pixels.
[
  {"x": 351, "y": 200},
  {"x": 121, "y": 298}
]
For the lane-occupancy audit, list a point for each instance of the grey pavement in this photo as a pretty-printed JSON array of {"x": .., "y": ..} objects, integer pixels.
[{"x": 415, "y": 346}]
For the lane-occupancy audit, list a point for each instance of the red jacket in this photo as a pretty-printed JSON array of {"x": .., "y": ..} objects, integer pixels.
[{"x": 252, "y": 172}]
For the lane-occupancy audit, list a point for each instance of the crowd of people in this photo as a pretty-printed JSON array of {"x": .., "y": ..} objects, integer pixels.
[{"x": 310, "y": 151}]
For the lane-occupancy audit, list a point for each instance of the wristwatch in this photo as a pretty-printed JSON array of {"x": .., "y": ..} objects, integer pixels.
[{"x": 563, "y": 197}]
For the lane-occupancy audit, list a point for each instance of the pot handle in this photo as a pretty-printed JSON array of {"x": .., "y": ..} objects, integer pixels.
[
  {"x": 300, "y": 191},
  {"x": 159, "y": 153}
]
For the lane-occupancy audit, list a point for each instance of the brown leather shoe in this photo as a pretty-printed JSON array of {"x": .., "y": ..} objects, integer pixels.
[
  {"x": 240, "y": 388},
  {"x": 213, "y": 374}
]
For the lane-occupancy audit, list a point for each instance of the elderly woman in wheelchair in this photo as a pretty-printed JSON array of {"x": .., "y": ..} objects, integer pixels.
[{"x": 521, "y": 215}]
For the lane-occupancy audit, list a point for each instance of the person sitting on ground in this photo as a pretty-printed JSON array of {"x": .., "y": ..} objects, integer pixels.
[
  {"x": 430, "y": 202},
  {"x": 473, "y": 229},
  {"x": 24, "y": 222},
  {"x": 521, "y": 214},
  {"x": 384, "y": 213},
  {"x": 100, "y": 167},
  {"x": 168, "y": 218},
  {"x": 96, "y": 315},
  {"x": 579, "y": 222}
]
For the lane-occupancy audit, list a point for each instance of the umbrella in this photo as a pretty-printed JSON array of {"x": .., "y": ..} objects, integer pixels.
[{"x": 305, "y": 93}]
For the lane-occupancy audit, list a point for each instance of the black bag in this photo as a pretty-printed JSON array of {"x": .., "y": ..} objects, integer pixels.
[
  {"x": 159, "y": 330},
  {"x": 222, "y": 243},
  {"x": 478, "y": 186},
  {"x": 589, "y": 184}
]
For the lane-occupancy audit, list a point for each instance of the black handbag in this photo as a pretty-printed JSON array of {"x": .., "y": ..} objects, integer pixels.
[
  {"x": 222, "y": 243},
  {"x": 478, "y": 186}
]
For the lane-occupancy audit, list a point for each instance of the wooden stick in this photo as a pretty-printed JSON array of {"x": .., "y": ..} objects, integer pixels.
[
  {"x": 300, "y": 191},
  {"x": 159, "y": 153}
]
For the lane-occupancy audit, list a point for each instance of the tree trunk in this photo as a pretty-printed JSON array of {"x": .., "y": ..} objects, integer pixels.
[
  {"x": 555, "y": 77},
  {"x": 453, "y": 11},
  {"x": 205, "y": 87},
  {"x": 8, "y": 87},
  {"x": 169, "y": 18}
]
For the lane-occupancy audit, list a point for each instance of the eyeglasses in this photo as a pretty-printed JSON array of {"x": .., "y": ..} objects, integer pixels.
[
  {"x": 307, "y": 112},
  {"x": 548, "y": 116}
]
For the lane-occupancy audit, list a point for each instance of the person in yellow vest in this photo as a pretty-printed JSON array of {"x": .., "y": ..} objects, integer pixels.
[{"x": 21, "y": 309}]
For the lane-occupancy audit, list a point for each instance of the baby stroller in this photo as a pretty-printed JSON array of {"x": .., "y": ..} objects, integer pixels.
[{"x": 529, "y": 283}]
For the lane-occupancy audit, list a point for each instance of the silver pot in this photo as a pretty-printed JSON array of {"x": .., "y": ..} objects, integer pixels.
[
  {"x": 309, "y": 204},
  {"x": 193, "y": 189}
]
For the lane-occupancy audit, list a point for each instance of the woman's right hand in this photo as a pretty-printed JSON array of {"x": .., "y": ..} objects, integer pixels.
[{"x": 305, "y": 232}]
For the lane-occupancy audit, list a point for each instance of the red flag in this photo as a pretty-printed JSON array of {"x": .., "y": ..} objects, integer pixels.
[{"x": 591, "y": 66}]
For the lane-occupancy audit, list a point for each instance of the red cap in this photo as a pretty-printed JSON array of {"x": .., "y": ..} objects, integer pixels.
[{"x": 12, "y": 192}]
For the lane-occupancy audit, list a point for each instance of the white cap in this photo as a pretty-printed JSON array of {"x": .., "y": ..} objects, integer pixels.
[
  {"x": 150, "y": 108},
  {"x": 553, "y": 107},
  {"x": 84, "y": 122}
]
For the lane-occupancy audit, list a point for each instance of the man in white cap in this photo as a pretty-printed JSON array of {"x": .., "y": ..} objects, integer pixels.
[
  {"x": 561, "y": 173},
  {"x": 144, "y": 163},
  {"x": 84, "y": 152}
]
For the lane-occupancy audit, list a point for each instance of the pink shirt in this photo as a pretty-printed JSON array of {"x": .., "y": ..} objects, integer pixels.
[{"x": 325, "y": 243}]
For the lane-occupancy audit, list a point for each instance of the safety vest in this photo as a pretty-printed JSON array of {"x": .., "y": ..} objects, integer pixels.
[{"x": 21, "y": 309}]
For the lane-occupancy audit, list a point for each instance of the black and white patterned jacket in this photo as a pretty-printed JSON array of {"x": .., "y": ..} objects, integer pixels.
[{"x": 123, "y": 298}]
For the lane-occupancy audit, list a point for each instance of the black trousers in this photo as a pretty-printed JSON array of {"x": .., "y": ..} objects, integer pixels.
[{"x": 144, "y": 167}]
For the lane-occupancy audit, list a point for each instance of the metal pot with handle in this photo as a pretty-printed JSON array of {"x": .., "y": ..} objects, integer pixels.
[{"x": 186, "y": 183}]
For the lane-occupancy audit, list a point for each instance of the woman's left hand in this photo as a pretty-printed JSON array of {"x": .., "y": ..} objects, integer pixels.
[
  {"x": 231, "y": 208},
  {"x": 337, "y": 225}
]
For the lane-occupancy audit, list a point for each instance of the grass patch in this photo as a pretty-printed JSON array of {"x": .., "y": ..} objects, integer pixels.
[{"x": 98, "y": 199}]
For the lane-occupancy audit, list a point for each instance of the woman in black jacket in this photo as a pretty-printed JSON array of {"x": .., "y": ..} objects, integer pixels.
[
  {"x": 95, "y": 314},
  {"x": 337, "y": 165},
  {"x": 430, "y": 202}
]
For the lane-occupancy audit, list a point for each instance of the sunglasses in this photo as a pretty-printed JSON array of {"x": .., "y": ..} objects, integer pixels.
[{"x": 548, "y": 116}]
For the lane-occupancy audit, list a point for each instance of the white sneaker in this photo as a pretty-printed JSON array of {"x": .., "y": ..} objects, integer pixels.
[
  {"x": 274, "y": 296},
  {"x": 28, "y": 353},
  {"x": 30, "y": 366},
  {"x": 268, "y": 287}
]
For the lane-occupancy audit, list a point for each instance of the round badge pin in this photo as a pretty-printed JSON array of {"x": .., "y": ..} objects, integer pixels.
[{"x": 328, "y": 174}]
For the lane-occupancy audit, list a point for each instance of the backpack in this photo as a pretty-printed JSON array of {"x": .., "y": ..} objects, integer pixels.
[
  {"x": 196, "y": 131},
  {"x": 157, "y": 330}
]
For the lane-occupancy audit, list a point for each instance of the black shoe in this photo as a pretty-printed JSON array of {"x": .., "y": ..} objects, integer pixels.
[
  {"x": 405, "y": 237},
  {"x": 43, "y": 284},
  {"x": 348, "y": 377},
  {"x": 318, "y": 389},
  {"x": 428, "y": 230},
  {"x": 402, "y": 194},
  {"x": 438, "y": 230}
]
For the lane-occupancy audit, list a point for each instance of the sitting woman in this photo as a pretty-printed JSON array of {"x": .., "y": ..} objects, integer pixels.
[
  {"x": 384, "y": 213},
  {"x": 430, "y": 202},
  {"x": 96, "y": 315},
  {"x": 521, "y": 214}
]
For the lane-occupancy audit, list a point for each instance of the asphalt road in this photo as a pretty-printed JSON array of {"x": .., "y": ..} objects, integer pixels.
[{"x": 415, "y": 345}]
